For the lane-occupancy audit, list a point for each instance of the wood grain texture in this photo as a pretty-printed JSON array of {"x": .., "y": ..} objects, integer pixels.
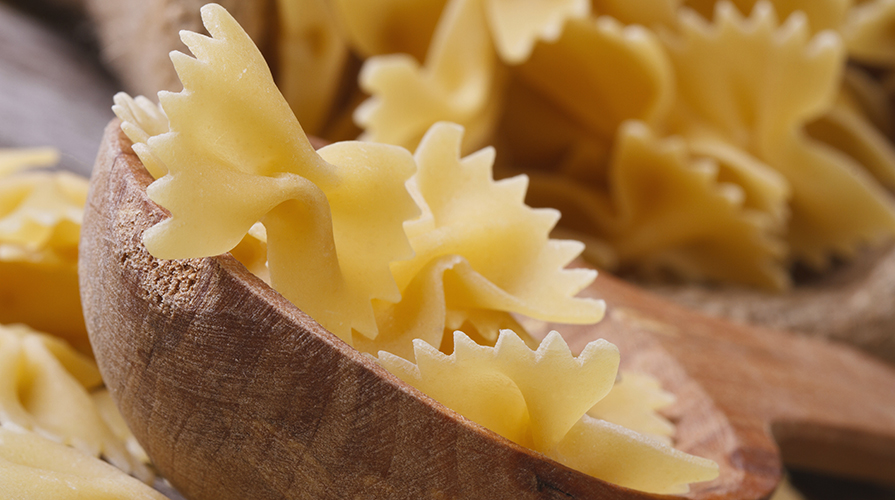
[
  {"x": 852, "y": 303},
  {"x": 52, "y": 93},
  {"x": 235, "y": 393}
]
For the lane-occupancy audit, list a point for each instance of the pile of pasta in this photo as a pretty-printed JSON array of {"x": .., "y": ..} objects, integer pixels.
[
  {"x": 40, "y": 221},
  {"x": 56, "y": 419},
  {"x": 709, "y": 140},
  {"x": 392, "y": 252}
]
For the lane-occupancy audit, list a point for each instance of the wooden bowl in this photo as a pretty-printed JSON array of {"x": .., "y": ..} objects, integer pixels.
[{"x": 236, "y": 393}]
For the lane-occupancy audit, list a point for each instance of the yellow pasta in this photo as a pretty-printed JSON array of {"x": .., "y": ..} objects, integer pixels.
[
  {"x": 44, "y": 388},
  {"x": 663, "y": 208},
  {"x": 539, "y": 398},
  {"x": 458, "y": 83},
  {"x": 467, "y": 263},
  {"x": 35, "y": 467},
  {"x": 376, "y": 27},
  {"x": 385, "y": 249},
  {"x": 515, "y": 26},
  {"x": 311, "y": 55},
  {"x": 820, "y": 14},
  {"x": 281, "y": 181},
  {"x": 40, "y": 221},
  {"x": 611, "y": 73},
  {"x": 760, "y": 101},
  {"x": 869, "y": 32},
  {"x": 632, "y": 403}
]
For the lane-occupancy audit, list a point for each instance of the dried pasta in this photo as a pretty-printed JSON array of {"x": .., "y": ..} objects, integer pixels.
[
  {"x": 32, "y": 466},
  {"x": 312, "y": 54},
  {"x": 40, "y": 221},
  {"x": 503, "y": 263},
  {"x": 542, "y": 397},
  {"x": 457, "y": 83},
  {"x": 331, "y": 220},
  {"x": 44, "y": 388},
  {"x": 281, "y": 181},
  {"x": 784, "y": 78},
  {"x": 533, "y": 79},
  {"x": 633, "y": 403}
]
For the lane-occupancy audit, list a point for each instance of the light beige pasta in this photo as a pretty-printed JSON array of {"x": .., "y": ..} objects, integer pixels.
[
  {"x": 869, "y": 32},
  {"x": 458, "y": 83},
  {"x": 648, "y": 13},
  {"x": 282, "y": 182},
  {"x": 664, "y": 208},
  {"x": 516, "y": 26},
  {"x": 610, "y": 73},
  {"x": 382, "y": 247},
  {"x": 760, "y": 102},
  {"x": 40, "y": 221},
  {"x": 467, "y": 263},
  {"x": 13, "y": 160},
  {"x": 632, "y": 404},
  {"x": 539, "y": 399},
  {"x": 377, "y": 27},
  {"x": 820, "y": 14},
  {"x": 44, "y": 388},
  {"x": 311, "y": 58},
  {"x": 32, "y": 466}
]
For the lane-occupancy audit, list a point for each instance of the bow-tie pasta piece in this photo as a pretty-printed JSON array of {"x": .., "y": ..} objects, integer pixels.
[
  {"x": 477, "y": 247},
  {"x": 333, "y": 219},
  {"x": 140, "y": 120},
  {"x": 311, "y": 56},
  {"x": 846, "y": 128},
  {"x": 44, "y": 388},
  {"x": 573, "y": 74},
  {"x": 377, "y": 27},
  {"x": 821, "y": 14},
  {"x": 539, "y": 399},
  {"x": 869, "y": 32},
  {"x": 457, "y": 83},
  {"x": 760, "y": 101},
  {"x": 649, "y": 13},
  {"x": 35, "y": 467},
  {"x": 14, "y": 160},
  {"x": 108, "y": 410},
  {"x": 517, "y": 26},
  {"x": 632, "y": 404},
  {"x": 40, "y": 221},
  {"x": 665, "y": 209}
]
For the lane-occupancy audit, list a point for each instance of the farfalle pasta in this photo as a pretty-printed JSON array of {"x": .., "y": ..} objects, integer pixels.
[
  {"x": 535, "y": 80},
  {"x": 458, "y": 83},
  {"x": 541, "y": 401},
  {"x": 40, "y": 221},
  {"x": 277, "y": 172},
  {"x": 789, "y": 78},
  {"x": 550, "y": 82},
  {"x": 388, "y": 251},
  {"x": 45, "y": 388},
  {"x": 478, "y": 267},
  {"x": 32, "y": 466}
]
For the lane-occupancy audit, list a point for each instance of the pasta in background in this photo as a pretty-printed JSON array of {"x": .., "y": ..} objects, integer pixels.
[
  {"x": 390, "y": 252},
  {"x": 40, "y": 222},
  {"x": 803, "y": 167},
  {"x": 45, "y": 388},
  {"x": 32, "y": 466}
]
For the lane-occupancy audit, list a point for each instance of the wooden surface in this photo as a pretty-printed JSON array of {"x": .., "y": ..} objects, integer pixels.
[
  {"x": 235, "y": 393},
  {"x": 851, "y": 303},
  {"x": 51, "y": 92}
]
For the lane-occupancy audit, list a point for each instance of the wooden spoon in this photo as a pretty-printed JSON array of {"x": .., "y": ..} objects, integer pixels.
[{"x": 235, "y": 393}]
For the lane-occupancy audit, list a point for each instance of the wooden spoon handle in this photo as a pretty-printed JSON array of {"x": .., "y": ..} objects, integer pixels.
[{"x": 831, "y": 408}]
